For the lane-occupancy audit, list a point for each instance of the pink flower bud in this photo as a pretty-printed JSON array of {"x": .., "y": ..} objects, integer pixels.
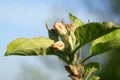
[
  {"x": 59, "y": 45},
  {"x": 60, "y": 28},
  {"x": 71, "y": 27}
]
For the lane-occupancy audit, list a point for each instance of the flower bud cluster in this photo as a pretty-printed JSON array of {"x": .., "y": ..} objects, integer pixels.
[{"x": 66, "y": 34}]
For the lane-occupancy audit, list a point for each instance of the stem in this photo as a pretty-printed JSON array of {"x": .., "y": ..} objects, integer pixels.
[
  {"x": 62, "y": 57},
  {"x": 88, "y": 76},
  {"x": 76, "y": 71},
  {"x": 80, "y": 53},
  {"x": 74, "y": 51},
  {"x": 86, "y": 59},
  {"x": 72, "y": 55}
]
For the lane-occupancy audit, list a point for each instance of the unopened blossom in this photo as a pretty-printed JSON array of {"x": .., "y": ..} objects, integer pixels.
[
  {"x": 59, "y": 45},
  {"x": 61, "y": 29},
  {"x": 71, "y": 27}
]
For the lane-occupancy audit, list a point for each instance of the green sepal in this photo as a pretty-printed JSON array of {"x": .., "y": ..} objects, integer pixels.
[{"x": 52, "y": 33}]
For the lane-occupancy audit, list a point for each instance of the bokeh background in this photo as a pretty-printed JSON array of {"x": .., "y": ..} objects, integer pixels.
[{"x": 27, "y": 18}]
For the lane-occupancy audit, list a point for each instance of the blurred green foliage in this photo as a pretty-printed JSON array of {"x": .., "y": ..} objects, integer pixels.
[
  {"x": 110, "y": 10},
  {"x": 111, "y": 70}
]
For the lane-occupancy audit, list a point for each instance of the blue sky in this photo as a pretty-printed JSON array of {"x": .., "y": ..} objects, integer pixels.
[{"x": 26, "y": 18}]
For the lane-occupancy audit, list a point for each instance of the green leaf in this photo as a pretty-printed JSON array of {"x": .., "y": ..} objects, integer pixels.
[
  {"x": 76, "y": 21},
  {"x": 90, "y": 68},
  {"x": 95, "y": 78},
  {"x": 27, "y": 47},
  {"x": 105, "y": 43},
  {"x": 92, "y": 31}
]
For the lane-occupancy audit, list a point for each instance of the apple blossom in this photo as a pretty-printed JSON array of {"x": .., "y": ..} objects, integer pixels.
[
  {"x": 59, "y": 45},
  {"x": 61, "y": 29},
  {"x": 71, "y": 27}
]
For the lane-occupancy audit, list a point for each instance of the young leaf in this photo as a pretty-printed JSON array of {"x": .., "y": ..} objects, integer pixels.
[
  {"x": 76, "y": 21},
  {"x": 90, "y": 68},
  {"x": 107, "y": 42},
  {"x": 95, "y": 78},
  {"x": 26, "y": 47},
  {"x": 92, "y": 31}
]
